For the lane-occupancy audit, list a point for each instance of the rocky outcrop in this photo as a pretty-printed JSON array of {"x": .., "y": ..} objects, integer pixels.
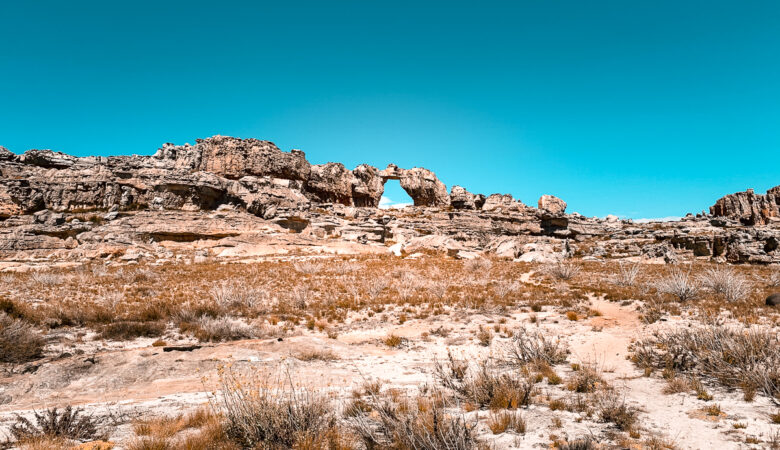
[
  {"x": 228, "y": 190},
  {"x": 552, "y": 205},
  {"x": 748, "y": 207},
  {"x": 367, "y": 186},
  {"x": 460, "y": 198}
]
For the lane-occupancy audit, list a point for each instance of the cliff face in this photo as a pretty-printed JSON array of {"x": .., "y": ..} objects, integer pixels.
[
  {"x": 748, "y": 207},
  {"x": 247, "y": 173},
  {"x": 232, "y": 192}
]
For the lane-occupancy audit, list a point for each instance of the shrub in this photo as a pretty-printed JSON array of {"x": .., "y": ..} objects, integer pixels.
[
  {"x": 534, "y": 347},
  {"x": 478, "y": 265},
  {"x": 19, "y": 341},
  {"x": 727, "y": 282},
  {"x": 219, "y": 329},
  {"x": 627, "y": 273},
  {"x": 563, "y": 270},
  {"x": 585, "y": 380},
  {"x": 486, "y": 386},
  {"x": 393, "y": 341},
  {"x": 731, "y": 357},
  {"x": 125, "y": 330},
  {"x": 680, "y": 284},
  {"x": 419, "y": 424},
  {"x": 285, "y": 416},
  {"x": 68, "y": 423},
  {"x": 499, "y": 422},
  {"x": 612, "y": 407}
]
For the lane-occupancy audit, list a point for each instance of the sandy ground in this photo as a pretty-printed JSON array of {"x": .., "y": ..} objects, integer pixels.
[{"x": 136, "y": 379}]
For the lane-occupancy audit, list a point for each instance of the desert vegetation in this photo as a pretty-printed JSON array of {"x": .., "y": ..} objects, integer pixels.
[{"x": 496, "y": 348}]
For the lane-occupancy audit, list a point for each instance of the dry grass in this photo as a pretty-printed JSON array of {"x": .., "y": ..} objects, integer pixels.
[
  {"x": 486, "y": 386},
  {"x": 66, "y": 424},
  {"x": 727, "y": 282},
  {"x": 19, "y": 341},
  {"x": 261, "y": 411},
  {"x": 733, "y": 358},
  {"x": 534, "y": 347},
  {"x": 680, "y": 284},
  {"x": 500, "y": 422},
  {"x": 563, "y": 270}
]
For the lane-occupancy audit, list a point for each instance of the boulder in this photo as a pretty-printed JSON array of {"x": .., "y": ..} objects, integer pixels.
[
  {"x": 460, "y": 198},
  {"x": 748, "y": 207},
  {"x": 424, "y": 187},
  {"x": 552, "y": 205},
  {"x": 773, "y": 299}
]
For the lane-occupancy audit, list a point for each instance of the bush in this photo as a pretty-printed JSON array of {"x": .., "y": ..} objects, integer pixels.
[
  {"x": 613, "y": 408},
  {"x": 627, "y": 274},
  {"x": 726, "y": 282},
  {"x": 486, "y": 386},
  {"x": 533, "y": 347},
  {"x": 506, "y": 420},
  {"x": 418, "y": 424},
  {"x": 563, "y": 270},
  {"x": 734, "y": 358},
  {"x": 219, "y": 329},
  {"x": 19, "y": 341},
  {"x": 680, "y": 284},
  {"x": 260, "y": 416},
  {"x": 126, "y": 330},
  {"x": 67, "y": 423}
]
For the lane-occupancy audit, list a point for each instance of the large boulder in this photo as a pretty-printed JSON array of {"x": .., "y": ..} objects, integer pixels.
[
  {"x": 367, "y": 186},
  {"x": 552, "y": 205},
  {"x": 424, "y": 187},
  {"x": 748, "y": 207},
  {"x": 460, "y": 198}
]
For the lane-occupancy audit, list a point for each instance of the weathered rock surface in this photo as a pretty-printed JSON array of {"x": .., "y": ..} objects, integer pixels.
[
  {"x": 748, "y": 207},
  {"x": 552, "y": 205},
  {"x": 225, "y": 193}
]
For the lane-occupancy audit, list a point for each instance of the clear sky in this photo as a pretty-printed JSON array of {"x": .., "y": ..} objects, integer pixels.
[{"x": 634, "y": 108}]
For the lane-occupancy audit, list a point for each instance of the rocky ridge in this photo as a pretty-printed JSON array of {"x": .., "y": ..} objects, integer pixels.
[{"x": 226, "y": 193}]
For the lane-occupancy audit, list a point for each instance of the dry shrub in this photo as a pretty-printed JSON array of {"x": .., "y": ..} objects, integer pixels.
[
  {"x": 67, "y": 423},
  {"x": 486, "y": 385},
  {"x": 393, "y": 341},
  {"x": 585, "y": 380},
  {"x": 578, "y": 444},
  {"x": 563, "y": 270},
  {"x": 418, "y": 424},
  {"x": 47, "y": 278},
  {"x": 680, "y": 284},
  {"x": 219, "y": 329},
  {"x": 126, "y": 330},
  {"x": 774, "y": 278},
  {"x": 534, "y": 347},
  {"x": 734, "y": 358},
  {"x": 317, "y": 355},
  {"x": 19, "y": 341},
  {"x": 262, "y": 413},
  {"x": 499, "y": 422},
  {"x": 478, "y": 265},
  {"x": 627, "y": 274},
  {"x": 232, "y": 295},
  {"x": 308, "y": 267},
  {"x": 612, "y": 407},
  {"x": 725, "y": 281}
]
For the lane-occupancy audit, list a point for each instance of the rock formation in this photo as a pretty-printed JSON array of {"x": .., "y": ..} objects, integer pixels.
[
  {"x": 552, "y": 205},
  {"x": 748, "y": 207},
  {"x": 233, "y": 192}
]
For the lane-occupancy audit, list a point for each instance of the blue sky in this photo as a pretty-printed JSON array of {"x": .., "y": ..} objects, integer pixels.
[{"x": 634, "y": 108}]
